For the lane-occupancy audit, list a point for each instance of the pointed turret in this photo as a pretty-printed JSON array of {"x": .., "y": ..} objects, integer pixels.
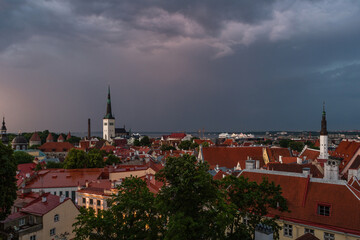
[
  {"x": 324, "y": 154},
  {"x": 323, "y": 122},
  {"x": 50, "y": 138},
  {"x": 68, "y": 136},
  {"x": 108, "y": 114},
  {"x": 3, "y": 128},
  {"x": 3, "y": 137},
  {"x": 61, "y": 138}
]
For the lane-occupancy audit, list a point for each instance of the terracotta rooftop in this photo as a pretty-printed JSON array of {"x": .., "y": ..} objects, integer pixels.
[
  {"x": 230, "y": 156},
  {"x": 275, "y": 152},
  {"x": 310, "y": 154},
  {"x": 304, "y": 195},
  {"x": 35, "y": 137},
  {"x": 307, "y": 236},
  {"x": 56, "y": 178},
  {"x": 38, "y": 207},
  {"x": 56, "y": 147},
  {"x": 295, "y": 168},
  {"x": 346, "y": 150},
  {"x": 49, "y": 138}
]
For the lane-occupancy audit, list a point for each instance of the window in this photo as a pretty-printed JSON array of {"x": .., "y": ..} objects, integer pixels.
[
  {"x": 84, "y": 200},
  {"x": 22, "y": 222},
  {"x": 111, "y": 124},
  {"x": 328, "y": 236},
  {"x": 105, "y": 124},
  {"x": 67, "y": 194},
  {"x": 288, "y": 230},
  {"x": 323, "y": 210},
  {"x": 98, "y": 202},
  {"x": 60, "y": 193},
  {"x": 54, "y": 193},
  {"x": 73, "y": 195},
  {"x": 33, "y": 237},
  {"x": 52, "y": 232},
  {"x": 56, "y": 218},
  {"x": 308, "y": 230},
  {"x": 91, "y": 201}
]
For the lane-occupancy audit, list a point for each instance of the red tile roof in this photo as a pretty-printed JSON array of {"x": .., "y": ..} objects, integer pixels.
[
  {"x": 310, "y": 154},
  {"x": 303, "y": 196},
  {"x": 275, "y": 152},
  {"x": 35, "y": 137},
  {"x": 55, "y": 178},
  {"x": 68, "y": 136},
  {"x": 230, "y": 156},
  {"x": 40, "y": 208},
  {"x": 177, "y": 135},
  {"x": 295, "y": 168},
  {"x": 56, "y": 147},
  {"x": 307, "y": 236},
  {"x": 346, "y": 150},
  {"x": 23, "y": 169},
  {"x": 289, "y": 159},
  {"x": 61, "y": 138},
  {"x": 49, "y": 138},
  {"x": 200, "y": 141}
]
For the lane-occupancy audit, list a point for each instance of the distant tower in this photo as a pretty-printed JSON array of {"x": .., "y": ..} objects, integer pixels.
[
  {"x": 4, "y": 138},
  {"x": 324, "y": 154},
  {"x": 108, "y": 121}
]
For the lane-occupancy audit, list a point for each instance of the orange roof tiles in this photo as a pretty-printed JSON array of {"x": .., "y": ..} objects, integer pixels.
[
  {"x": 295, "y": 168},
  {"x": 304, "y": 196},
  {"x": 35, "y": 137},
  {"x": 56, "y": 178},
  {"x": 275, "y": 152},
  {"x": 230, "y": 156},
  {"x": 40, "y": 208},
  {"x": 307, "y": 236},
  {"x": 346, "y": 150},
  {"x": 310, "y": 154},
  {"x": 56, "y": 147}
]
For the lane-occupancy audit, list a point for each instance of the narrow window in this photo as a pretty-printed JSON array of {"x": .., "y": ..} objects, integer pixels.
[
  {"x": 288, "y": 230},
  {"x": 67, "y": 194},
  {"x": 91, "y": 201},
  {"x": 33, "y": 237},
  {"x": 98, "y": 202},
  {"x": 308, "y": 230},
  {"x": 56, "y": 218},
  {"x": 323, "y": 210},
  {"x": 84, "y": 200},
  {"x": 52, "y": 232},
  {"x": 329, "y": 236}
]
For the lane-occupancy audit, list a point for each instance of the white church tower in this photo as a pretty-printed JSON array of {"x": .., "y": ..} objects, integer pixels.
[
  {"x": 108, "y": 121},
  {"x": 324, "y": 154}
]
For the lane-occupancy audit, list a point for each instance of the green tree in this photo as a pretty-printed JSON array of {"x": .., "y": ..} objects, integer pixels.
[
  {"x": 112, "y": 159},
  {"x": 7, "y": 180},
  {"x": 23, "y": 157},
  {"x": 166, "y": 147},
  {"x": 136, "y": 142},
  {"x": 132, "y": 215},
  {"x": 73, "y": 140},
  {"x": 145, "y": 141},
  {"x": 185, "y": 145},
  {"x": 297, "y": 146},
  {"x": 79, "y": 159},
  {"x": 205, "y": 144},
  {"x": 191, "y": 200},
  {"x": 251, "y": 201},
  {"x": 284, "y": 143},
  {"x": 54, "y": 165}
]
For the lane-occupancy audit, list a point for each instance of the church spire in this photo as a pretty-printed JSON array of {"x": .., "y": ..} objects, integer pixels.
[
  {"x": 3, "y": 128},
  {"x": 323, "y": 122},
  {"x": 108, "y": 106}
]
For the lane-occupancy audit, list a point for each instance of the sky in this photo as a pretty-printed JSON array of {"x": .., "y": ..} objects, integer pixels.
[{"x": 180, "y": 65}]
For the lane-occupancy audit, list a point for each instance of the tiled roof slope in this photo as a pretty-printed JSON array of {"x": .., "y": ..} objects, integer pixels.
[
  {"x": 56, "y": 147},
  {"x": 230, "y": 156},
  {"x": 310, "y": 154},
  {"x": 307, "y": 236},
  {"x": 295, "y": 168},
  {"x": 56, "y": 178},
  {"x": 38, "y": 207},
  {"x": 346, "y": 150},
  {"x": 275, "y": 152},
  {"x": 303, "y": 196}
]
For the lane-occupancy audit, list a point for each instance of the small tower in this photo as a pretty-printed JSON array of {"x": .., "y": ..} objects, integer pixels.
[
  {"x": 61, "y": 138},
  {"x": 35, "y": 139},
  {"x": 50, "y": 138},
  {"x": 324, "y": 154},
  {"x": 4, "y": 138},
  {"x": 108, "y": 121}
]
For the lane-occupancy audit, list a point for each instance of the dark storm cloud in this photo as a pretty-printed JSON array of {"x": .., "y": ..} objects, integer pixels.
[{"x": 179, "y": 65}]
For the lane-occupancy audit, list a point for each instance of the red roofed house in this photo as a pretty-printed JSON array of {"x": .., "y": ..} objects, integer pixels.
[
  {"x": 275, "y": 154},
  {"x": 61, "y": 181},
  {"x": 347, "y": 151},
  {"x": 328, "y": 209},
  {"x": 56, "y": 149},
  {"x": 35, "y": 140},
  {"x": 46, "y": 217}
]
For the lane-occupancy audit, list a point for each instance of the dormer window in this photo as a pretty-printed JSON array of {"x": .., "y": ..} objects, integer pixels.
[{"x": 323, "y": 210}]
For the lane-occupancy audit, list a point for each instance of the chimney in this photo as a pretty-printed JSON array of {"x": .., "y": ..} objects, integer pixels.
[
  {"x": 89, "y": 129},
  {"x": 306, "y": 171},
  {"x": 250, "y": 164},
  {"x": 43, "y": 199},
  {"x": 298, "y": 160},
  {"x": 257, "y": 162}
]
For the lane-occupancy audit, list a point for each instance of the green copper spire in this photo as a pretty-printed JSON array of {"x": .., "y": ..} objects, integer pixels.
[{"x": 108, "y": 114}]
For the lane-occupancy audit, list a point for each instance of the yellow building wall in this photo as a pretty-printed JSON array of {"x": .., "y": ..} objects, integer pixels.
[
  {"x": 265, "y": 156},
  {"x": 67, "y": 214},
  {"x": 299, "y": 230}
]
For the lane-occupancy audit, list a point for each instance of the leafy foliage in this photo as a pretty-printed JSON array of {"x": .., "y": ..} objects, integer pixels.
[
  {"x": 79, "y": 159},
  {"x": 23, "y": 157},
  {"x": 186, "y": 145},
  {"x": 112, "y": 159},
  {"x": 144, "y": 141},
  {"x": 191, "y": 201},
  {"x": 250, "y": 202},
  {"x": 166, "y": 147},
  {"x": 54, "y": 165},
  {"x": 132, "y": 215},
  {"x": 7, "y": 180}
]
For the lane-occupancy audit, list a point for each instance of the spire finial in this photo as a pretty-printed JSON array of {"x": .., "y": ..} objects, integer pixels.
[{"x": 324, "y": 108}]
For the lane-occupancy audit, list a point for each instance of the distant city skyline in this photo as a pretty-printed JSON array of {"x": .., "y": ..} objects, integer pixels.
[{"x": 179, "y": 65}]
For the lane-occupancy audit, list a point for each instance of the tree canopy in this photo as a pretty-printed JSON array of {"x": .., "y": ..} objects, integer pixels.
[
  {"x": 187, "y": 144},
  {"x": 80, "y": 159},
  {"x": 7, "y": 180},
  {"x": 23, "y": 157},
  {"x": 190, "y": 205}
]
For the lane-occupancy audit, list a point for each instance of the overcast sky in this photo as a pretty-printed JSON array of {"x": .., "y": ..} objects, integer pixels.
[{"x": 180, "y": 65}]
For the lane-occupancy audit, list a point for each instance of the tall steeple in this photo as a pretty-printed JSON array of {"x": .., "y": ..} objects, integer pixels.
[
  {"x": 108, "y": 114},
  {"x": 3, "y": 137},
  {"x": 324, "y": 154},
  {"x": 323, "y": 122}
]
